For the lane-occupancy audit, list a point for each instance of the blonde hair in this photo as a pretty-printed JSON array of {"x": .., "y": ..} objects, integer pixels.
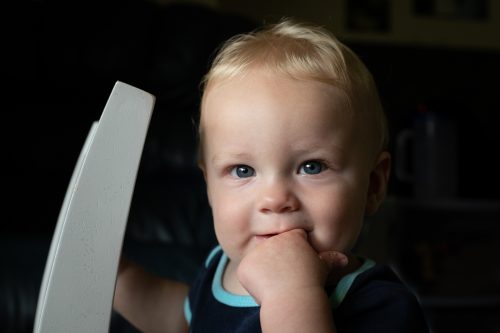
[{"x": 303, "y": 51}]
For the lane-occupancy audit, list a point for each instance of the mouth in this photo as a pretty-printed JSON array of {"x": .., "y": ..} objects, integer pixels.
[{"x": 264, "y": 237}]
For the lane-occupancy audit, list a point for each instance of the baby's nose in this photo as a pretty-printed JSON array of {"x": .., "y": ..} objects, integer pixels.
[{"x": 278, "y": 198}]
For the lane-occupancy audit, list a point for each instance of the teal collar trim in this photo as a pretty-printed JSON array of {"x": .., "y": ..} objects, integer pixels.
[
  {"x": 223, "y": 295},
  {"x": 187, "y": 310},
  {"x": 212, "y": 254},
  {"x": 345, "y": 283},
  {"x": 234, "y": 300}
]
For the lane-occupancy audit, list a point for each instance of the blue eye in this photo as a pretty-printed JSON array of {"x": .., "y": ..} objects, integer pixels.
[
  {"x": 311, "y": 168},
  {"x": 243, "y": 171}
]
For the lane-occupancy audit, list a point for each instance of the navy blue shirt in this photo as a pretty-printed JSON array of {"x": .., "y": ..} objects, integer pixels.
[{"x": 371, "y": 299}]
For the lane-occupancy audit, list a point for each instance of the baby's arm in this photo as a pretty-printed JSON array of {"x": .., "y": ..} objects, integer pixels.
[
  {"x": 150, "y": 303},
  {"x": 286, "y": 277}
]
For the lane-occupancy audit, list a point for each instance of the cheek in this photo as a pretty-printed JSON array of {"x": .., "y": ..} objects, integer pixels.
[
  {"x": 224, "y": 215},
  {"x": 231, "y": 220},
  {"x": 337, "y": 220},
  {"x": 226, "y": 219}
]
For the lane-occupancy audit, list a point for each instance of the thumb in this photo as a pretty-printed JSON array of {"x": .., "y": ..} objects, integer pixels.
[{"x": 334, "y": 259}]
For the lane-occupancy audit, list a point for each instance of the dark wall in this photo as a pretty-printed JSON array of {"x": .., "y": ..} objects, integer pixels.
[
  {"x": 59, "y": 62},
  {"x": 458, "y": 83}
]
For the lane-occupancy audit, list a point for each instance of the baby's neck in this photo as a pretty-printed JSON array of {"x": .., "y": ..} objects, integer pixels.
[{"x": 230, "y": 280}]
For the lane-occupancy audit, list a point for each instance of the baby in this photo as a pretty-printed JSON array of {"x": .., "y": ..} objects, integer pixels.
[{"x": 293, "y": 149}]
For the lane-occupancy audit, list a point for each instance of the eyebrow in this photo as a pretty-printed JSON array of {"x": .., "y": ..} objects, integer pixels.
[
  {"x": 320, "y": 148},
  {"x": 229, "y": 155}
]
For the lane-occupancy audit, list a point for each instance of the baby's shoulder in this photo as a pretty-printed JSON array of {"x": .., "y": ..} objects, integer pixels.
[
  {"x": 379, "y": 298},
  {"x": 380, "y": 282}
]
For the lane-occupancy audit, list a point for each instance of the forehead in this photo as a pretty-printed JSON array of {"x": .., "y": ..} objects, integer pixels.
[
  {"x": 272, "y": 96},
  {"x": 260, "y": 113}
]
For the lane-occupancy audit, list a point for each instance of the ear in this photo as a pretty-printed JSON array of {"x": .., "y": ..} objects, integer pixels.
[{"x": 379, "y": 178}]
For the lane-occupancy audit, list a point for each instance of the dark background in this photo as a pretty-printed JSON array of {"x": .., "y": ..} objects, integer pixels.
[{"x": 59, "y": 62}]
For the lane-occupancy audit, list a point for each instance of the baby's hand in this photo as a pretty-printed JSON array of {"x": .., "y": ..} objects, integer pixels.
[{"x": 285, "y": 263}]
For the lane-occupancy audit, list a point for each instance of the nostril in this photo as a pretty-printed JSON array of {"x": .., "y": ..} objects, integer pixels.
[
  {"x": 278, "y": 209},
  {"x": 278, "y": 199},
  {"x": 287, "y": 209}
]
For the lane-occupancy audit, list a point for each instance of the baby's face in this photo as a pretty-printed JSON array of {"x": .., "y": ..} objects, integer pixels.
[{"x": 282, "y": 154}]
